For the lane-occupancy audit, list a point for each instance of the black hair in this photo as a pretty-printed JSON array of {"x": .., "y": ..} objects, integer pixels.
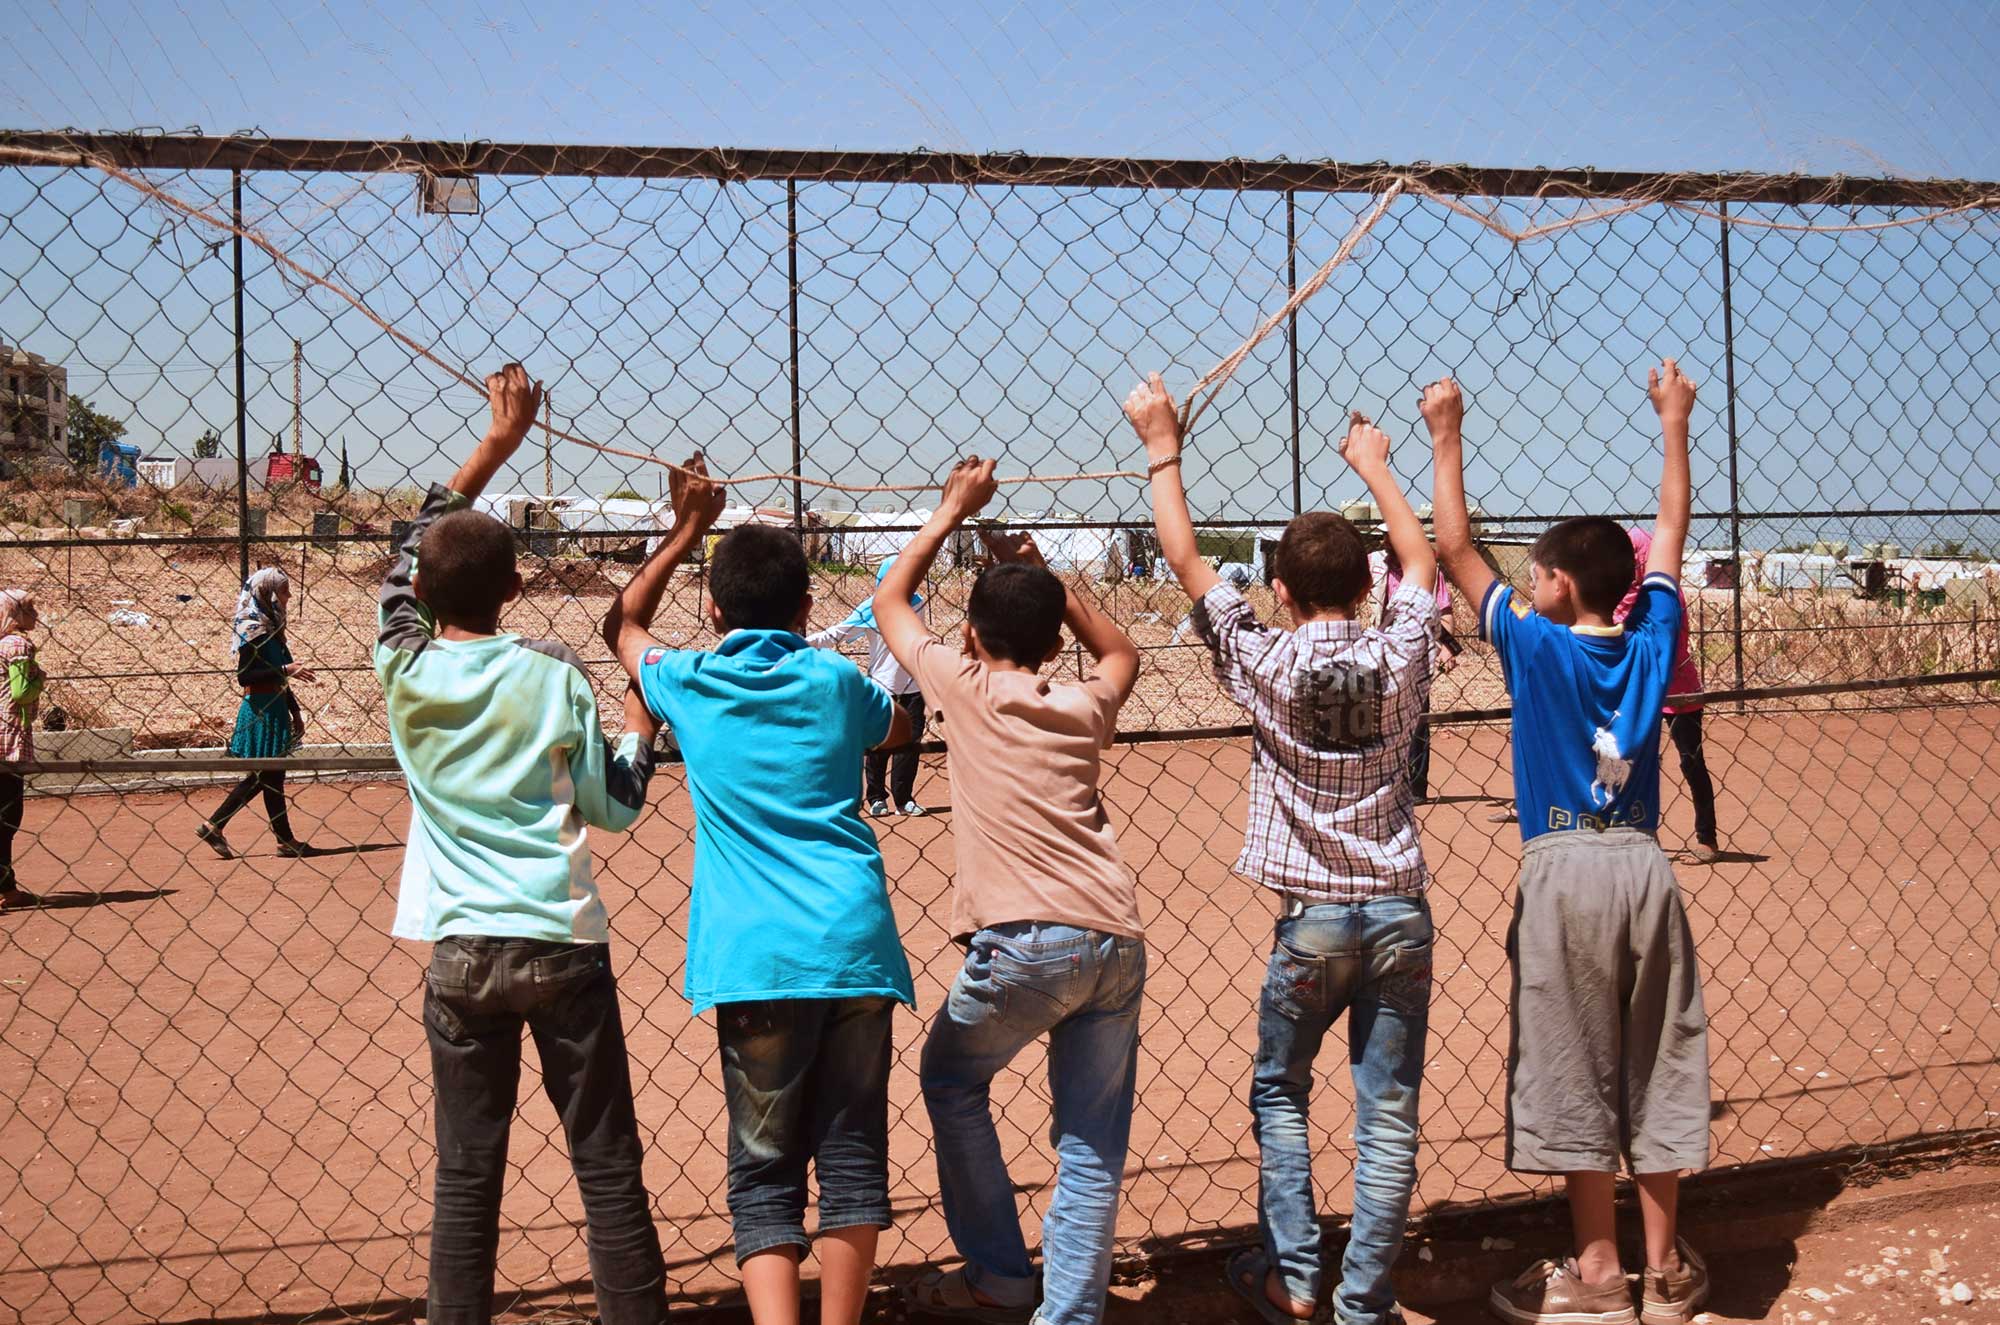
[
  {"x": 1018, "y": 611},
  {"x": 758, "y": 578},
  {"x": 1322, "y": 561},
  {"x": 466, "y": 565},
  {"x": 1595, "y": 552}
]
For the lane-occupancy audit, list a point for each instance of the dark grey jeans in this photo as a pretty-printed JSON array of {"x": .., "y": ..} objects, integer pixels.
[{"x": 478, "y": 994}]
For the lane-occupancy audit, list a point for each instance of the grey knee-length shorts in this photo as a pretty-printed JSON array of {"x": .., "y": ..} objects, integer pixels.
[{"x": 1608, "y": 1058}]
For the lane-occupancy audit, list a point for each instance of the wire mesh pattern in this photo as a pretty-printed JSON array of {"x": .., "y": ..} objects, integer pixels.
[{"x": 214, "y": 1092}]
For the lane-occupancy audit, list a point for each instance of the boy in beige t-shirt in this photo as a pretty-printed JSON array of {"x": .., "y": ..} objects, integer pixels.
[{"x": 1048, "y": 911}]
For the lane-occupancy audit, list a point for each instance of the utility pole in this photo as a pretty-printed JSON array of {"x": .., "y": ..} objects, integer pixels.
[
  {"x": 548, "y": 448},
  {"x": 298, "y": 409}
]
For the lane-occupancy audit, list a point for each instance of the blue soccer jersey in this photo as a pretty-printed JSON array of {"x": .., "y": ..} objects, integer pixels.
[{"x": 1586, "y": 709}]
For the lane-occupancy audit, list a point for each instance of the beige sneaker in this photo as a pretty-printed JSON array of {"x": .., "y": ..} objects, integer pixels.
[
  {"x": 1552, "y": 1293},
  {"x": 1673, "y": 1296}
]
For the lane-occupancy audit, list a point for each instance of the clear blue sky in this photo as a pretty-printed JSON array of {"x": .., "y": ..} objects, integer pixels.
[
  {"x": 1867, "y": 85},
  {"x": 940, "y": 319}
]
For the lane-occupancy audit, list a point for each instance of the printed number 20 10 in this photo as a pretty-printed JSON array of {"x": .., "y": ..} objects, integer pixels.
[{"x": 1346, "y": 706}]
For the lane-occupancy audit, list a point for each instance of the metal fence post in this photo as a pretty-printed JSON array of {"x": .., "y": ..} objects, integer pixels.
[
  {"x": 1292, "y": 346},
  {"x": 792, "y": 268},
  {"x": 1735, "y": 506},
  {"x": 242, "y": 414}
]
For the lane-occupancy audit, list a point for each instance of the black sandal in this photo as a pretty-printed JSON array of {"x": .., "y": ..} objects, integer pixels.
[
  {"x": 1248, "y": 1271},
  {"x": 212, "y": 835}
]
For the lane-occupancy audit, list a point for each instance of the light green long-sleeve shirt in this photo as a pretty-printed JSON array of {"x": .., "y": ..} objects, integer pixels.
[{"x": 508, "y": 768}]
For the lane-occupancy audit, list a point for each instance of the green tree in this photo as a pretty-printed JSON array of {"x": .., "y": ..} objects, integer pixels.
[
  {"x": 207, "y": 446},
  {"x": 623, "y": 494},
  {"x": 89, "y": 432}
]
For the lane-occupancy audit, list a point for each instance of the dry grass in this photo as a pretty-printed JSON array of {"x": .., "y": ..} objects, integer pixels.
[{"x": 171, "y": 680}]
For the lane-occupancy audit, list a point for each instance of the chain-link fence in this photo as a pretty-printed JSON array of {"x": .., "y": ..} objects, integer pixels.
[{"x": 214, "y": 1092}]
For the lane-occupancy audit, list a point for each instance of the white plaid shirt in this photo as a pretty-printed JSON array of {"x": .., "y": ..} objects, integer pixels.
[{"x": 1334, "y": 706}]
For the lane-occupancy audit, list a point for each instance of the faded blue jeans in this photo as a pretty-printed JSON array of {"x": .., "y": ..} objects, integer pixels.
[
  {"x": 1084, "y": 989},
  {"x": 1371, "y": 960}
]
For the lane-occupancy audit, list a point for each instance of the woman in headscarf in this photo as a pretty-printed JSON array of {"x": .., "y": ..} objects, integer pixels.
[
  {"x": 1683, "y": 717},
  {"x": 269, "y": 724},
  {"x": 886, "y": 772},
  {"x": 17, "y": 731}
]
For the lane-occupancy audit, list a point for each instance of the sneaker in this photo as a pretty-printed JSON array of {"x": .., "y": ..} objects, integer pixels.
[
  {"x": 914, "y": 810},
  {"x": 1705, "y": 853},
  {"x": 1552, "y": 1293},
  {"x": 212, "y": 835},
  {"x": 1503, "y": 817},
  {"x": 878, "y": 809},
  {"x": 1673, "y": 1296}
]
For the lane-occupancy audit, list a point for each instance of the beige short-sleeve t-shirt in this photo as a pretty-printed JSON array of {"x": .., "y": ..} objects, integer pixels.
[{"x": 1033, "y": 839}]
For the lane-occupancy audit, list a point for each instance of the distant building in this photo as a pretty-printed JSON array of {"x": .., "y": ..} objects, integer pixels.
[{"x": 34, "y": 407}]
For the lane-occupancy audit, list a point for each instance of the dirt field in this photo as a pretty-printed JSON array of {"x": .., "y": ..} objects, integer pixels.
[{"x": 214, "y": 1092}]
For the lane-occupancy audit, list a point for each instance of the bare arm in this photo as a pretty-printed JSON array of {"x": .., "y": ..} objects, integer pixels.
[
  {"x": 1366, "y": 451},
  {"x": 627, "y": 626},
  {"x": 1673, "y": 399},
  {"x": 515, "y": 403},
  {"x": 1158, "y": 424},
  {"x": 966, "y": 491},
  {"x": 900, "y": 729},
  {"x": 1444, "y": 410},
  {"x": 639, "y": 718},
  {"x": 1117, "y": 657}
]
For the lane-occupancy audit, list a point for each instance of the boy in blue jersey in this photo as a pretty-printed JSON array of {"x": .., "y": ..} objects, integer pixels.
[
  {"x": 790, "y": 935},
  {"x": 1609, "y": 1053},
  {"x": 508, "y": 770}
]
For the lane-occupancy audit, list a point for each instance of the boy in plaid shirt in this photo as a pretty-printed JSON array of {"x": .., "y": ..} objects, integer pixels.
[{"x": 1332, "y": 830}]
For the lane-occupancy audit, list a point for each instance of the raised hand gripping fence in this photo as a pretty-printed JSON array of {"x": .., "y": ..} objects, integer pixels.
[{"x": 214, "y": 1095}]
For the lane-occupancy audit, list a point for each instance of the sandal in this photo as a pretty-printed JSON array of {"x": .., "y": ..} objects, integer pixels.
[
  {"x": 212, "y": 835},
  {"x": 1248, "y": 1271},
  {"x": 945, "y": 1293}
]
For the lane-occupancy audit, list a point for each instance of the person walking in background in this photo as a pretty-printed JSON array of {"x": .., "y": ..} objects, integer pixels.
[
  {"x": 1443, "y": 660},
  {"x": 1683, "y": 717},
  {"x": 269, "y": 724},
  {"x": 891, "y": 778},
  {"x": 17, "y": 732}
]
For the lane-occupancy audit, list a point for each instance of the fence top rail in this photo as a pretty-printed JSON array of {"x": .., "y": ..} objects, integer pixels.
[{"x": 921, "y": 166}]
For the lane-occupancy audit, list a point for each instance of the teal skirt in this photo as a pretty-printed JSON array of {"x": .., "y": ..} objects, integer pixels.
[{"x": 263, "y": 727}]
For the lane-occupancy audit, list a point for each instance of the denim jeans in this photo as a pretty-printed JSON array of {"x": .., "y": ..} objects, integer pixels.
[
  {"x": 1371, "y": 960},
  {"x": 478, "y": 994},
  {"x": 805, "y": 1079},
  {"x": 1084, "y": 989}
]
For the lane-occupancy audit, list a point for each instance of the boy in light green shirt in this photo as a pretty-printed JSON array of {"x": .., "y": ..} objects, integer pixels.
[{"x": 508, "y": 769}]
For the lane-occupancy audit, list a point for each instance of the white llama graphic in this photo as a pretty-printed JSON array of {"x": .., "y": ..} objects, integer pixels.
[{"x": 1612, "y": 767}]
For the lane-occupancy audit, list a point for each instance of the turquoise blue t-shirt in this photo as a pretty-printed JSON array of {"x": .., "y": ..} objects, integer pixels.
[
  {"x": 1586, "y": 709},
  {"x": 789, "y": 895}
]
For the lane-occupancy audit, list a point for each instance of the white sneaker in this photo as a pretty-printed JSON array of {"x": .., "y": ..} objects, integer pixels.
[
  {"x": 914, "y": 810},
  {"x": 878, "y": 809}
]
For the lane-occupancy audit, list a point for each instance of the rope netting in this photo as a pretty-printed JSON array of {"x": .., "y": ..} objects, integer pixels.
[{"x": 214, "y": 1091}]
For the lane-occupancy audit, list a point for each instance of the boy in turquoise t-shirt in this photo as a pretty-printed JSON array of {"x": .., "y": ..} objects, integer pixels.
[
  {"x": 790, "y": 935},
  {"x": 508, "y": 771}
]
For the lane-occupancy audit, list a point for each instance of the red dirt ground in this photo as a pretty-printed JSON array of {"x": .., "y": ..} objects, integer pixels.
[{"x": 214, "y": 1091}]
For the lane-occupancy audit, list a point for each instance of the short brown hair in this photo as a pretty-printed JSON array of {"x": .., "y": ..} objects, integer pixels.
[
  {"x": 1322, "y": 561},
  {"x": 465, "y": 566},
  {"x": 1595, "y": 551}
]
